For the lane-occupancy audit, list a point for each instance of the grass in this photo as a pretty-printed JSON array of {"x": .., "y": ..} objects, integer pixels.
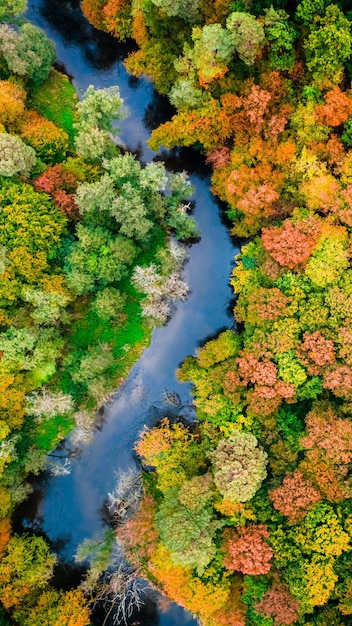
[
  {"x": 51, "y": 432},
  {"x": 56, "y": 100}
]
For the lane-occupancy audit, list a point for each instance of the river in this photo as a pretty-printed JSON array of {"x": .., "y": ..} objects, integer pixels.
[{"x": 68, "y": 509}]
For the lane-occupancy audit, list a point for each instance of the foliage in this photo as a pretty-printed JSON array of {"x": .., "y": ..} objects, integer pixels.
[
  {"x": 27, "y": 52},
  {"x": 279, "y": 604},
  {"x": 99, "y": 107},
  {"x": 56, "y": 100},
  {"x": 239, "y": 467},
  {"x": 12, "y": 98},
  {"x": 25, "y": 568},
  {"x": 246, "y": 516},
  {"x": 328, "y": 46},
  {"x": 49, "y": 142},
  {"x": 247, "y": 35},
  {"x": 16, "y": 157},
  {"x": 11, "y": 9}
]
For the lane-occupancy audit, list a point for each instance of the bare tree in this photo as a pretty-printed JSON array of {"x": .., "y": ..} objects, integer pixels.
[
  {"x": 124, "y": 501},
  {"x": 119, "y": 589},
  {"x": 111, "y": 581}
]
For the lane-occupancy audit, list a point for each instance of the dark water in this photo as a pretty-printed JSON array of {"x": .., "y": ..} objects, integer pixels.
[{"x": 68, "y": 509}]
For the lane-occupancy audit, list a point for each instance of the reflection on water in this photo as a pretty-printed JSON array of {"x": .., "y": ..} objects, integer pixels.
[{"x": 68, "y": 509}]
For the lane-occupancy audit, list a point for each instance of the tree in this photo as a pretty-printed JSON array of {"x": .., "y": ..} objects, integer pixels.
[
  {"x": 12, "y": 402},
  {"x": 27, "y": 349},
  {"x": 213, "y": 49},
  {"x": 337, "y": 108},
  {"x": 29, "y": 220},
  {"x": 329, "y": 432},
  {"x": 247, "y": 551},
  {"x": 139, "y": 532},
  {"x": 15, "y": 156},
  {"x": 95, "y": 198},
  {"x": 226, "y": 345},
  {"x": 12, "y": 99},
  {"x": 99, "y": 108},
  {"x": 97, "y": 259},
  {"x": 288, "y": 245},
  {"x": 96, "y": 360},
  {"x": 295, "y": 496},
  {"x": 185, "y": 9},
  {"x": 188, "y": 536},
  {"x": 239, "y": 467},
  {"x": 45, "y": 405},
  {"x": 97, "y": 111},
  {"x": 94, "y": 144},
  {"x": 11, "y": 9},
  {"x": 49, "y": 141},
  {"x": 61, "y": 184},
  {"x": 328, "y": 47},
  {"x": 25, "y": 568},
  {"x": 94, "y": 12},
  {"x": 27, "y": 51},
  {"x": 54, "y": 179},
  {"x": 109, "y": 303},
  {"x": 55, "y": 608},
  {"x": 281, "y": 36},
  {"x": 118, "y": 18},
  {"x": 279, "y": 604},
  {"x": 174, "y": 452},
  {"x": 307, "y": 10},
  {"x": 247, "y": 35}
]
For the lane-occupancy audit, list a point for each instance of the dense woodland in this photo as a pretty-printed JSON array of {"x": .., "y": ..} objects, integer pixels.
[
  {"x": 246, "y": 515},
  {"x": 87, "y": 268}
]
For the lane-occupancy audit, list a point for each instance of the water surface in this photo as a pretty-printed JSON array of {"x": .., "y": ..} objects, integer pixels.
[{"x": 69, "y": 509}]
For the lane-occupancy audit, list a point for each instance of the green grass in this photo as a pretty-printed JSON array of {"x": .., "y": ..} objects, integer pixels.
[
  {"x": 51, "y": 432},
  {"x": 56, "y": 100}
]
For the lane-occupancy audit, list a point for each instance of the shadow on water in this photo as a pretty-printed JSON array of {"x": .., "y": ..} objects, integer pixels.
[
  {"x": 68, "y": 509},
  {"x": 66, "y": 19}
]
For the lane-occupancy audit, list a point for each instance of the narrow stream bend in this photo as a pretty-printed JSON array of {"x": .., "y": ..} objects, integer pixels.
[{"x": 68, "y": 509}]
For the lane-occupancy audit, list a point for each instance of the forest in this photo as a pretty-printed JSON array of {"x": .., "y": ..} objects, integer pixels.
[
  {"x": 87, "y": 269},
  {"x": 245, "y": 516}
]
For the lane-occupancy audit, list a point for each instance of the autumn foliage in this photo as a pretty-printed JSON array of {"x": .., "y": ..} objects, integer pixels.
[
  {"x": 247, "y": 551},
  {"x": 246, "y": 514}
]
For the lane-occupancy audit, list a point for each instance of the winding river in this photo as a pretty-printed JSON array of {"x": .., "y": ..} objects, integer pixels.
[{"x": 68, "y": 509}]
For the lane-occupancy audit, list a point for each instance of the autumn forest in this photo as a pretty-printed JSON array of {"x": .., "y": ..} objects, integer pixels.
[{"x": 243, "y": 517}]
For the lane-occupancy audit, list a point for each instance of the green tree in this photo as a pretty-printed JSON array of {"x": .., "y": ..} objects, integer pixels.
[
  {"x": 187, "y": 533},
  {"x": 109, "y": 303},
  {"x": 27, "y": 51},
  {"x": 247, "y": 35},
  {"x": 94, "y": 144},
  {"x": 15, "y": 156},
  {"x": 307, "y": 10},
  {"x": 239, "y": 467},
  {"x": 185, "y": 9},
  {"x": 213, "y": 50},
  {"x": 328, "y": 47},
  {"x": 281, "y": 36},
  {"x": 97, "y": 259},
  {"x": 99, "y": 108},
  {"x": 26, "y": 349},
  {"x": 10, "y": 9}
]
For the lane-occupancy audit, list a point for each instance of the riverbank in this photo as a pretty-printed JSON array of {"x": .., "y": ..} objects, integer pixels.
[{"x": 72, "y": 321}]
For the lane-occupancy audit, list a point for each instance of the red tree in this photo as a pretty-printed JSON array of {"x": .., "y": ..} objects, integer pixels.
[
  {"x": 295, "y": 496},
  {"x": 247, "y": 551},
  {"x": 279, "y": 604},
  {"x": 288, "y": 245}
]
